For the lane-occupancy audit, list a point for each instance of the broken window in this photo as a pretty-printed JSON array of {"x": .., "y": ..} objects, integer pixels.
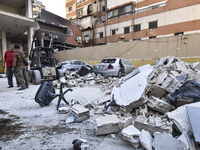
[
  {"x": 79, "y": 13},
  {"x": 153, "y": 24},
  {"x": 137, "y": 27},
  {"x": 89, "y": 10},
  {"x": 126, "y": 30},
  {"x": 101, "y": 35}
]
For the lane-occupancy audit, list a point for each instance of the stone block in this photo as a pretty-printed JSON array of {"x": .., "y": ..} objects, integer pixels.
[
  {"x": 146, "y": 140},
  {"x": 79, "y": 112},
  {"x": 125, "y": 121},
  {"x": 165, "y": 141},
  {"x": 131, "y": 134},
  {"x": 159, "y": 105},
  {"x": 107, "y": 125}
]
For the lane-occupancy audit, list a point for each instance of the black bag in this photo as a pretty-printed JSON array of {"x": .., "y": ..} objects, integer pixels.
[
  {"x": 24, "y": 61},
  {"x": 45, "y": 93}
]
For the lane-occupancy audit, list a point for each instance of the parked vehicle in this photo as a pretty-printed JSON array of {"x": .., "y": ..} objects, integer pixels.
[
  {"x": 113, "y": 67},
  {"x": 72, "y": 65}
]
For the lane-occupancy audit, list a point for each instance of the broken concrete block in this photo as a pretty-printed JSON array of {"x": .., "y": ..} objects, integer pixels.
[
  {"x": 153, "y": 124},
  {"x": 63, "y": 110},
  {"x": 130, "y": 93},
  {"x": 125, "y": 122},
  {"x": 180, "y": 119},
  {"x": 166, "y": 61},
  {"x": 165, "y": 141},
  {"x": 156, "y": 91},
  {"x": 159, "y": 105},
  {"x": 194, "y": 121},
  {"x": 131, "y": 134},
  {"x": 170, "y": 84},
  {"x": 161, "y": 77},
  {"x": 79, "y": 112},
  {"x": 146, "y": 140},
  {"x": 107, "y": 125}
]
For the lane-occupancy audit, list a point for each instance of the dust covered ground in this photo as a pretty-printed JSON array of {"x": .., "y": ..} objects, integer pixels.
[{"x": 26, "y": 125}]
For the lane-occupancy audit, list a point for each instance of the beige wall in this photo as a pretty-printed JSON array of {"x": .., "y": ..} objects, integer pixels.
[{"x": 178, "y": 46}]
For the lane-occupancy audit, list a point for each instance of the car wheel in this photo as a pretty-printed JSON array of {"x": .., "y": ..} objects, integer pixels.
[
  {"x": 36, "y": 77},
  {"x": 30, "y": 76},
  {"x": 120, "y": 74}
]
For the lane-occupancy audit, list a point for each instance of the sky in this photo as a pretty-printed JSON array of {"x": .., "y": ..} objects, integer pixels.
[{"x": 55, "y": 6}]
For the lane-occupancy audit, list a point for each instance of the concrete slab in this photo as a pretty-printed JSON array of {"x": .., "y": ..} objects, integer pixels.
[
  {"x": 194, "y": 121},
  {"x": 131, "y": 134},
  {"x": 130, "y": 93},
  {"x": 165, "y": 141},
  {"x": 107, "y": 125}
]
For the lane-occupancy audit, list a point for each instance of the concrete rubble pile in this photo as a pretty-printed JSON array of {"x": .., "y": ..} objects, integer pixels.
[{"x": 138, "y": 107}]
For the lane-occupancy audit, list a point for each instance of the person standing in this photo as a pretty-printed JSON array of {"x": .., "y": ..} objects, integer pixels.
[
  {"x": 8, "y": 60},
  {"x": 20, "y": 67}
]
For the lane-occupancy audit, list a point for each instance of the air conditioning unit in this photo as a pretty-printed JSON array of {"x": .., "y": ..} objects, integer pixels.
[{"x": 122, "y": 36}]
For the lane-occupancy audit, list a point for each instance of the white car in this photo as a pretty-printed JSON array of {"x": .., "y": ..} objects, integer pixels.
[
  {"x": 72, "y": 65},
  {"x": 113, "y": 67}
]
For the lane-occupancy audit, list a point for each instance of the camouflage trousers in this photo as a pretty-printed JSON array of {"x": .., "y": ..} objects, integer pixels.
[{"x": 22, "y": 76}]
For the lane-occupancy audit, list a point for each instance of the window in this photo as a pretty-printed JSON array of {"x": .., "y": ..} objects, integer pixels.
[
  {"x": 103, "y": 9},
  {"x": 137, "y": 27},
  {"x": 126, "y": 30},
  {"x": 89, "y": 9},
  {"x": 101, "y": 35},
  {"x": 70, "y": 8},
  {"x": 153, "y": 25},
  {"x": 124, "y": 10},
  {"x": 114, "y": 32},
  {"x": 152, "y": 37}
]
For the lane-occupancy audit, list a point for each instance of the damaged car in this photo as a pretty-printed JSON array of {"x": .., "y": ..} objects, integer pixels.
[
  {"x": 72, "y": 65},
  {"x": 113, "y": 67}
]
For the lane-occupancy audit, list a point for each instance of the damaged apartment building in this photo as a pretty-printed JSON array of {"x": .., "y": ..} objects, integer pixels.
[{"x": 109, "y": 21}]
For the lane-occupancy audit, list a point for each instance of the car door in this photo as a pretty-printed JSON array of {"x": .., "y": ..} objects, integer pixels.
[{"x": 127, "y": 67}]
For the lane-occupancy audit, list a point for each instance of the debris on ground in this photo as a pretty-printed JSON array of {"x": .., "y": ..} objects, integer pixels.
[{"x": 147, "y": 105}]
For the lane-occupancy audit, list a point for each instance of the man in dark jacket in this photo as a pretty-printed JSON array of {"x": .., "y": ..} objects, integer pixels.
[{"x": 20, "y": 67}]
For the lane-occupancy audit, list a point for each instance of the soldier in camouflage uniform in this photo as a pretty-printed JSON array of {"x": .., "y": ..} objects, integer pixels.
[{"x": 20, "y": 68}]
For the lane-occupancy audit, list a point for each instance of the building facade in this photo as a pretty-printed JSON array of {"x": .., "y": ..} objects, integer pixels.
[{"x": 110, "y": 21}]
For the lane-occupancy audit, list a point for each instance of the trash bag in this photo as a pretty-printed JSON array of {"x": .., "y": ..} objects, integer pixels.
[{"x": 188, "y": 92}]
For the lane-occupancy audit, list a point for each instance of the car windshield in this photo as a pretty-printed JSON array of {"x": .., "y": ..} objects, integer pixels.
[{"x": 108, "y": 61}]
